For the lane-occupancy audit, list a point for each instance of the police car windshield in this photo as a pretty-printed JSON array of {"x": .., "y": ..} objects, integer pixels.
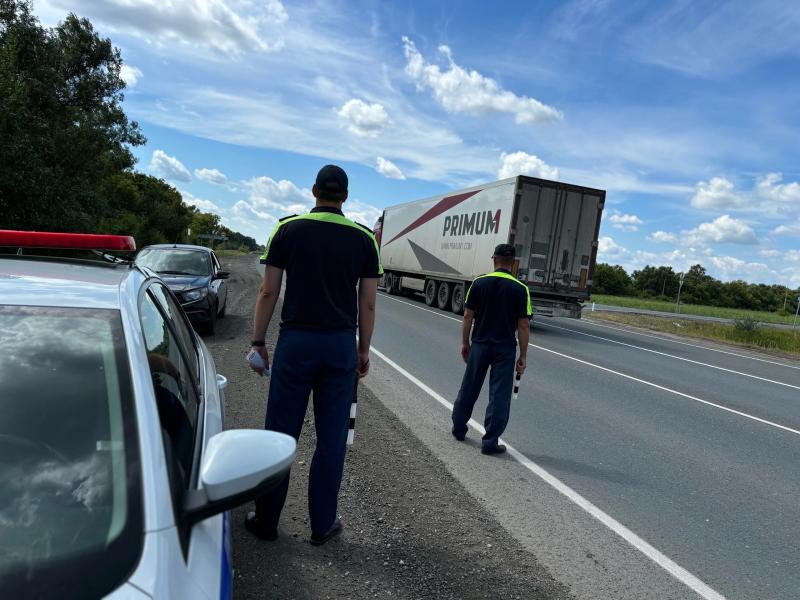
[
  {"x": 175, "y": 261},
  {"x": 69, "y": 469}
]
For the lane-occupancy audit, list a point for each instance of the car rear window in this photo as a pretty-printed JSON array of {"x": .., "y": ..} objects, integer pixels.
[{"x": 70, "y": 499}]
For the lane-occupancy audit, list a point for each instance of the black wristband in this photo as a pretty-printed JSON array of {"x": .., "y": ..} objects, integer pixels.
[{"x": 258, "y": 343}]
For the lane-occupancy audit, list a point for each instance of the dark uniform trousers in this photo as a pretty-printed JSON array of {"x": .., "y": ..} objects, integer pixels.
[
  {"x": 324, "y": 362},
  {"x": 502, "y": 360}
]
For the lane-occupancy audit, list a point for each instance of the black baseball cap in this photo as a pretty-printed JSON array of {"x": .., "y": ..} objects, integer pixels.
[
  {"x": 504, "y": 251},
  {"x": 332, "y": 179}
]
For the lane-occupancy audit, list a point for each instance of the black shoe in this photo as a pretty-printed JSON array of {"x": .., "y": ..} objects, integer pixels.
[
  {"x": 258, "y": 529},
  {"x": 498, "y": 449},
  {"x": 459, "y": 436},
  {"x": 336, "y": 529}
]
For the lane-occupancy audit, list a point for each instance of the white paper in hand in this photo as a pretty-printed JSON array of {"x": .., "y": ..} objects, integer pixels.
[{"x": 256, "y": 361}]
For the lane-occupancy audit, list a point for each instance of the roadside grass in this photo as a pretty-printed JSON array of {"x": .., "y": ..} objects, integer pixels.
[
  {"x": 741, "y": 333},
  {"x": 691, "y": 309},
  {"x": 223, "y": 253}
]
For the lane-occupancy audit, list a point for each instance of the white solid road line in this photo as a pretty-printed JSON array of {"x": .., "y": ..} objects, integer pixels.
[
  {"x": 671, "y": 391},
  {"x": 663, "y": 561},
  {"x": 632, "y": 378},
  {"x": 702, "y": 347},
  {"x": 696, "y": 362}
]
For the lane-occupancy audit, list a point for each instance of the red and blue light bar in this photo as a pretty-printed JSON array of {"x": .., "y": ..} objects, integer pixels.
[{"x": 66, "y": 241}]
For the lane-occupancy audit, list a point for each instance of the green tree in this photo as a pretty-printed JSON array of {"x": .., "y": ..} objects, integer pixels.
[
  {"x": 611, "y": 280},
  {"x": 205, "y": 224},
  {"x": 62, "y": 128},
  {"x": 656, "y": 281},
  {"x": 146, "y": 207},
  {"x": 238, "y": 241},
  {"x": 701, "y": 288}
]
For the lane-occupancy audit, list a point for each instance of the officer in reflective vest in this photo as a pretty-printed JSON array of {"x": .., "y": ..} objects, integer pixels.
[
  {"x": 332, "y": 266},
  {"x": 499, "y": 305}
]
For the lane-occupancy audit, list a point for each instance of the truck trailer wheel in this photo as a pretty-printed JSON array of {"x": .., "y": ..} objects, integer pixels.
[
  {"x": 443, "y": 297},
  {"x": 431, "y": 288},
  {"x": 457, "y": 299},
  {"x": 388, "y": 282}
]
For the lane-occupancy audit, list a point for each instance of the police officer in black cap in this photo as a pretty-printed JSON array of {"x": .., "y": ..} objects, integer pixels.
[
  {"x": 332, "y": 266},
  {"x": 499, "y": 306}
]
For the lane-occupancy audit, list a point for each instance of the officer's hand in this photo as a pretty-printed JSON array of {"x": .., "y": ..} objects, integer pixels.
[
  {"x": 465, "y": 351},
  {"x": 521, "y": 364},
  {"x": 262, "y": 352},
  {"x": 363, "y": 364}
]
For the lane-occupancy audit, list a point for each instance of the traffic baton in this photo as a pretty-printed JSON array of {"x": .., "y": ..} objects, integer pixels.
[
  {"x": 516, "y": 384},
  {"x": 351, "y": 433}
]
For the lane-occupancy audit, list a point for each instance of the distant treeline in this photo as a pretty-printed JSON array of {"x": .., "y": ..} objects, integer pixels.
[
  {"x": 698, "y": 288},
  {"x": 65, "y": 158}
]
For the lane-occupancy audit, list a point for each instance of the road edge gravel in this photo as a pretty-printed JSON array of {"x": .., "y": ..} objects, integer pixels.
[{"x": 411, "y": 529}]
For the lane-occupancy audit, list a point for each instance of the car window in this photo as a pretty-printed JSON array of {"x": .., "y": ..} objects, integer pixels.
[
  {"x": 172, "y": 383},
  {"x": 215, "y": 260},
  {"x": 182, "y": 330},
  {"x": 70, "y": 499},
  {"x": 175, "y": 261}
]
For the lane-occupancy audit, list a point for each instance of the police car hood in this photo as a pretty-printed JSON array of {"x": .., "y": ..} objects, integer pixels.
[{"x": 181, "y": 283}]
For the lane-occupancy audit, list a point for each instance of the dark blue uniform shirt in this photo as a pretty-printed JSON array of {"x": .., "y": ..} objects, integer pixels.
[
  {"x": 499, "y": 300},
  {"x": 324, "y": 255}
]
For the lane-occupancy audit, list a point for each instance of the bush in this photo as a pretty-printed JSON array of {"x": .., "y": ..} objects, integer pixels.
[{"x": 746, "y": 324}]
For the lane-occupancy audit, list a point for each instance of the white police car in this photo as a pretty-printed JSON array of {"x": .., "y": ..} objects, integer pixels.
[{"x": 115, "y": 472}]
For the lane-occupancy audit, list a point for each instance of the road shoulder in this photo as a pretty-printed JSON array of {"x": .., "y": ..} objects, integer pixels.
[{"x": 411, "y": 529}]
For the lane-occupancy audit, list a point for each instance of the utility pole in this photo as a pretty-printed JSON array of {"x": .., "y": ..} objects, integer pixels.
[
  {"x": 796, "y": 313},
  {"x": 680, "y": 285},
  {"x": 785, "y": 296}
]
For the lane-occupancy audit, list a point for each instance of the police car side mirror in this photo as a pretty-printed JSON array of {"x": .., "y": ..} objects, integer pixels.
[
  {"x": 240, "y": 465},
  {"x": 263, "y": 261},
  {"x": 222, "y": 275}
]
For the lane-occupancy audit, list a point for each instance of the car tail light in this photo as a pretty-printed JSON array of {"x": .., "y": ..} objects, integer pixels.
[{"x": 66, "y": 241}]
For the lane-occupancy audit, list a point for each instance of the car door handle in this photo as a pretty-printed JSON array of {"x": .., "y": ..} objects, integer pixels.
[{"x": 222, "y": 381}]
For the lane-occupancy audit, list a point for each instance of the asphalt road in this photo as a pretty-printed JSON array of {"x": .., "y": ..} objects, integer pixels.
[{"x": 692, "y": 448}]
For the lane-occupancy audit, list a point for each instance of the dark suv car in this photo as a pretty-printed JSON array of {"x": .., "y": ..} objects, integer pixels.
[{"x": 194, "y": 274}]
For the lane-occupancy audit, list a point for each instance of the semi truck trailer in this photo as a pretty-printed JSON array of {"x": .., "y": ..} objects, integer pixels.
[{"x": 439, "y": 245}]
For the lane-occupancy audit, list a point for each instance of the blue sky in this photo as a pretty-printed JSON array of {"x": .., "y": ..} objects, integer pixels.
[{"x": 685, "y": 112}]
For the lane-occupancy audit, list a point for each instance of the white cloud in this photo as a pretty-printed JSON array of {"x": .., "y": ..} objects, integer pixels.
[
  {"x": 130, "y": 75},
  {"x": 625, "y": 222},
  {"x": 770, "y": 187},
  {"x": 726, "y": 268},
  {"x": 716, "y": 194},
  {"x": 662, "y": 237},
  {"x": 360, "y": 212},
  {"x": 790, "y": 229},
  {"x": 462, "y": 91},
  {"x": 522, "y": 163},
  {"x": 722, "y": 230},
  {"x": 388, "y": 169},
  {"x": 228, "y": 27},
  {"x": 793, "y": 256},
  {"x": 431, "y": 151},
  {"x": 247, "y": 213},
  {"x": 608, "y": 250},
  {"x": 730, "y": 267},
  {"x": 269, "y": 200},
  {"x": 770, "y": 253},
  {"x": 211, "y": 176},
  {"x": 168, "y": 167},
  {"x": 199, "y": 203},
  {"x": 363, "y": 119}
]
